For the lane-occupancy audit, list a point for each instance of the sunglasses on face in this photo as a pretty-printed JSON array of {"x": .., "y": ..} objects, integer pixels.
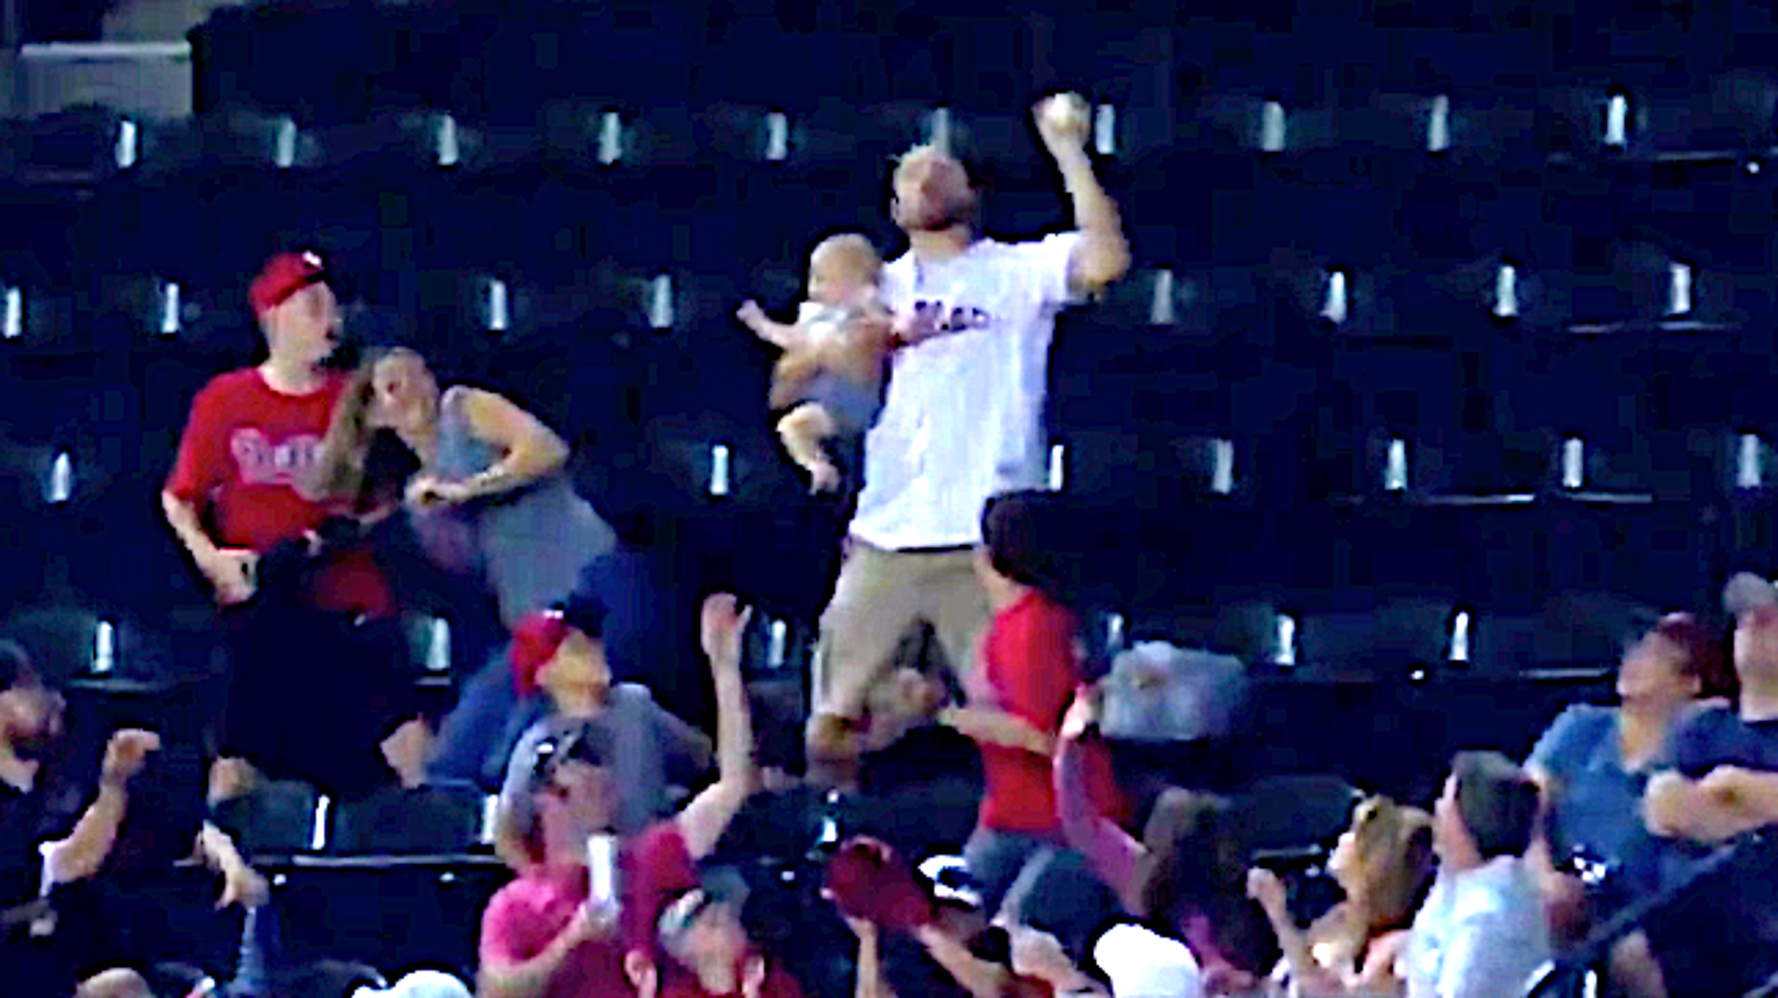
[{"x": 580, "y": 746}]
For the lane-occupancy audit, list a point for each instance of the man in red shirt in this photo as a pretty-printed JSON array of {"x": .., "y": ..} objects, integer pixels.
[
  {"x": 1030, "y": 669},
  {"x": 540, "y": 937},
  {"x": 315, "y": 675}
]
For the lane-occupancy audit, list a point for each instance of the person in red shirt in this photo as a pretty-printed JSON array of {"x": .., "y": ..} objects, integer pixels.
[
  {"x": 540, "y": 937},
  {"x": 1030, "y": 670},
  {"x": 314, "y": 652}
]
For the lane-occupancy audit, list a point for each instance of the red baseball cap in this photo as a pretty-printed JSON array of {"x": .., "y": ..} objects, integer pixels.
[
  {"x": 282, "y": 276},
  {"x": 534, "y": 642}
]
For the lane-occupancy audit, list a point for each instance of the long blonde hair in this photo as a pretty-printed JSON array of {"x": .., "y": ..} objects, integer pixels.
[
  {"x": 1394, "y": 846},
  {"x": 339, "y": 474}
]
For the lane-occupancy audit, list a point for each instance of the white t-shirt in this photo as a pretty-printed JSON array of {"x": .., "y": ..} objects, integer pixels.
[
  {"x": 1480, "y": 934},
  {"x": 963, "y": 416}
]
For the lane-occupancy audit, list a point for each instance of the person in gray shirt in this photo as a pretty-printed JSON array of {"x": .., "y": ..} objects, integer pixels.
[
  {"x": 559, "y": 654},
  {"x": 1482, "y": 932}
]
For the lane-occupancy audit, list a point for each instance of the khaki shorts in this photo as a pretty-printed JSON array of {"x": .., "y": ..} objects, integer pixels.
[{"x": 880, "y": 597}]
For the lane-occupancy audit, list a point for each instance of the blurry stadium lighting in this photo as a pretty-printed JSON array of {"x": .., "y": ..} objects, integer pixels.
[
  {"x": 284, "y": 150},
  {"x": 1334, "y": 308},
  {"x": 60, "y": 487},
  {"x": 448, "y": 153},
  {"x": 169, "y": 323},
  {"x": 1271, "y": 128},
  {"x": 1222, "y": 467},
  {"x": 777, "y": 137},
  {"x": 1749, "y": 463},
  {"x": 318, "y": 831},
  {"x": 1506, "y": 292},
  {"x": 12, "y": 316},
  {"x": 1058, "y": 455},
  {"x": 779, "y": 641},
  {"x": 1617, "y": 121},
  {"x": 938, "y": 129},
  {"x": 438, "y": 645},
  {"x": 490, "y": 817},
  {"x": 1395, "y": 468},
  {"x": 1286, "y": 651},
  {"x": 1161, "y": 312},
  {"x": 498, "y": 317},
  {"x": 1679, "y": 298},
  {"x": 611, "y": 138},
  {"x": 660, "y": 302},
  {"x": 1105, "y": 130},
  {"x": 1574, "y": 463},
  {"x": 719, "y": 470},
  {"x": 1460, "y": 637},
  {"x": 104, "y": 648},
  {"x": 1438, "y": 126},
  {"x": 127, "y": 135}
]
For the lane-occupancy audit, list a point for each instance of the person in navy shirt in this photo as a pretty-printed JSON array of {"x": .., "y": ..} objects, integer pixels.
[{"x": 1721, "y": 936}]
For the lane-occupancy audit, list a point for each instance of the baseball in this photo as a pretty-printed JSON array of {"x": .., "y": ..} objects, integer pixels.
[{"x": 1066, "y": 112}]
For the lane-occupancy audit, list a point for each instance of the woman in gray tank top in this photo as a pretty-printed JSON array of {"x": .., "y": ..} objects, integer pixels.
[{"x": 491, "y": 500}]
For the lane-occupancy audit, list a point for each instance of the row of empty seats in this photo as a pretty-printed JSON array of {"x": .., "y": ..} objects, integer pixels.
[
  {"x": 1729, "y": 119},
  {"x": 1387, "y": 633}
]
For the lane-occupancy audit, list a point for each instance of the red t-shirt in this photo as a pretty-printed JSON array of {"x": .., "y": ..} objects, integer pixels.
[
  {"x": 1030, "y": 664},
  {"x": 526, "y": 915},
  {"x": 653, "y": 868},
  {"x": 244, "y": 450}
]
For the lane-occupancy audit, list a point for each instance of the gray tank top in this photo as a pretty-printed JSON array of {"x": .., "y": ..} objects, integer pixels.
[{"x": 530, "y": 545}]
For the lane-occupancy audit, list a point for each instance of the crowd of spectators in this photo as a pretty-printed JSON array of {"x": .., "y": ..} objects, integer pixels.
[{"x": 957, "y": 826}]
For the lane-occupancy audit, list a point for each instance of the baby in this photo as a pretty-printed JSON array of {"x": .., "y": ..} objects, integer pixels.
[{"x": 831, "y": 374}]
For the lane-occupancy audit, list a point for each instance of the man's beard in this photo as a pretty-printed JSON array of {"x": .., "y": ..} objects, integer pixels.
[
  {"x": 951, "y": 216},
  {"x": 35, "y": 746}
]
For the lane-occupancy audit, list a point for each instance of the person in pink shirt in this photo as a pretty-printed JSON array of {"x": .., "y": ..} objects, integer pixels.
[{"x": 541, "y": 938}]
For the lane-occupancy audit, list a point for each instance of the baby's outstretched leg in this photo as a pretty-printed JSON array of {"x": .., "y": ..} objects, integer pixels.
[{"x": 804, "y": 430}]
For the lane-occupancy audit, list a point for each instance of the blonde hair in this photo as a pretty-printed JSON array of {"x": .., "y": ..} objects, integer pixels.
[
  {"x": 1395, "y": 863},
  {"x": 345, "y": 449},
  {"x": 852, "y": 251}
]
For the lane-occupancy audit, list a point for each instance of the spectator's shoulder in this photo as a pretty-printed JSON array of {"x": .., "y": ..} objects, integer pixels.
[
  {"x": 1705, "y": 720},
  {"x": 1585, "y": 718},
  {"x": 226, "y": 385},
  {"x": 631, "y": 696},
  {"x": 519, "y": 897}
]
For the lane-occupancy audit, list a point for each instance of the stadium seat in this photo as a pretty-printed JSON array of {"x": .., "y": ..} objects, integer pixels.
[
  {"x": 279, "y": 819},
  {"x": 1391, "y": 642},
  {"x": 432, "y": 820},
  {"x": 1296, "y": 814}
]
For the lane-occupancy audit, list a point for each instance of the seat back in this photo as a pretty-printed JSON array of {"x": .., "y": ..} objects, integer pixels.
[
  {"x": 1297, "y": 813},
  {"x": 427, "y": 820},
  {"x": 275, "y": 819}
]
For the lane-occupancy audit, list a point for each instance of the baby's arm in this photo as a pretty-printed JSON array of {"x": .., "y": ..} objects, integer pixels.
[{"x": 785, "y": 337}]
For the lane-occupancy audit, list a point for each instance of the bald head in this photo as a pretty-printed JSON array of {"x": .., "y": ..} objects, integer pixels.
[{"x": 933, "y": 192}]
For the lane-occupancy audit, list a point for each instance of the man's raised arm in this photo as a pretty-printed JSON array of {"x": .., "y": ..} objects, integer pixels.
[
  {"x": 708, "y": 815},
  {"x": 1103, "y": 256}
]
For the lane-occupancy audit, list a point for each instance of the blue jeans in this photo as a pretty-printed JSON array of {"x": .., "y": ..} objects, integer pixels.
[
  {"x": 1002, "y": 864},
  {"x": 477, "y": 736}
]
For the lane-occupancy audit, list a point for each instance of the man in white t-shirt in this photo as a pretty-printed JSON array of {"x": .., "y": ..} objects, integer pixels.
[{"x": 962, "y": 417}]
